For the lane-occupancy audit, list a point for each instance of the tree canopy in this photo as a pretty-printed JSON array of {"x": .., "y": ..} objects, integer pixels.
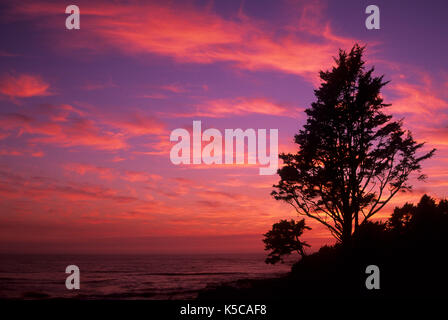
[
  {"x": 352, "y": 156},
  {"x": 284, "y": 239}
]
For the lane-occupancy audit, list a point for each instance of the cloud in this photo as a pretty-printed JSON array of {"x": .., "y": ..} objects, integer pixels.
[
  {"x": 23, "y": 86},
  {"x": 82, "y": 169},
  {"x": 21, "y": 152},
  {"x": 437, "y": 137},
  {"x": 78, "y": 132},
  {"x": 3, "y": 135},
  {"x": 136, "y": 124},
  {"x": 160, "y": 147},
  {"x": 222, "y": 108},
  {"x": 111, "y": 173},
  {"x": 153, "y": 96},
  {"x": 197, "y": 35},
  {"x": 66, "y": 126},
  {"x": 14, "y": 185},
  {"x": 175, "y": 88},
  {"x": 139, "y": 176},
  {"x": 417, "y": 99},
  {"x": 65, "y": 131},
  {"x": 424, "y": 106}
]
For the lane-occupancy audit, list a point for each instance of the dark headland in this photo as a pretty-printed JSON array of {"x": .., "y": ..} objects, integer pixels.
[{"x": 409, "y": 249}]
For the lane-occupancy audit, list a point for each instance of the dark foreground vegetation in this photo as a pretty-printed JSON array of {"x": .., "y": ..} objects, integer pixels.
[{"x": 410, "y": 249}]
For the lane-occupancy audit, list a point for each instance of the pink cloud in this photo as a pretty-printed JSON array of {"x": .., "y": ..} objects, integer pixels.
[
  {"x": 437, "y": 137},
  {"x": 111, "y": 173},
  {"x": 187, "y": 34},
  {"x": 153, "y": 96},
  {"x": 82, "y": 169},
  {"x": 160, "y": 147},
  {"x": 65, "y": 132},
  {"x": 67, "y": 126},
  {"x": 79, "y": 132},
  {"x": 21, "y": 152},
  {"x": 138, "y": 176},
  {"x": 3, "y": 135},
  {"x": 421, "y": 100},
  {"x": 137, "y": 124},
  {"x": 176, "y": 88},
  {"x": 37, "y": 188},
  {"x": 222, "y": 108},
  {"x": 23, "y": 86}
]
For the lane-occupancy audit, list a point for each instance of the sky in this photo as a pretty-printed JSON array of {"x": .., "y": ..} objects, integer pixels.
[{"x": 86, "y": 115}]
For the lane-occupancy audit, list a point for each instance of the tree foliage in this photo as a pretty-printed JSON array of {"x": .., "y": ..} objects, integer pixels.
[
  {"x": 352, "y": 157},
  {"x": 284, "y": 239},
  {"x": 423, "y": 222}
]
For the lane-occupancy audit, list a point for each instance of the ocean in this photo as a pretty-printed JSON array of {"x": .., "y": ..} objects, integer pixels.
[{"x": 128, "y": 276}]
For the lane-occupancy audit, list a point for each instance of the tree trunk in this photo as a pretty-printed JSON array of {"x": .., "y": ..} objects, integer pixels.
[{"x": 347, "y": 232}]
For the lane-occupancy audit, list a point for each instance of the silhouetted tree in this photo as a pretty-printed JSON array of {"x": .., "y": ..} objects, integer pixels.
[
  {"x": 401, "y": 217},
  {"x": 283, "y": 239},
  {"x": 423, "y": 222},
  {"x": 409, "y": 249},
  {"x": 352, "y": 158}
]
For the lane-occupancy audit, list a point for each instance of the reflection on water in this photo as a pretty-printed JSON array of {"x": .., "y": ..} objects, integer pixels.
[{"x": 127, "y": 276}]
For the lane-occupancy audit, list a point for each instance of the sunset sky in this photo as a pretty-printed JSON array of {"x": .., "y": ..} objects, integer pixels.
[{"x": 86, "y": 115}]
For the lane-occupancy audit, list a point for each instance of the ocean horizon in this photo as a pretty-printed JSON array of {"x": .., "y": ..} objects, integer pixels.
[{"x": 128, "y": 276}]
